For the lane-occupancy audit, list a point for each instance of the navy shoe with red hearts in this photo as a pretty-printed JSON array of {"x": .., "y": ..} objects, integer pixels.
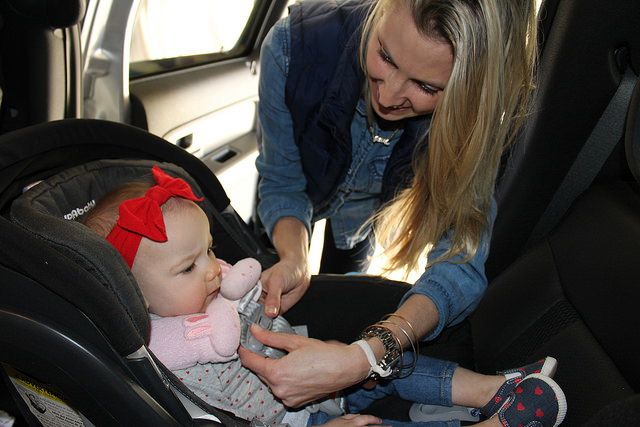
[
  {"x": 546, "y": 367},
  {"x": 537, "y": 401}
]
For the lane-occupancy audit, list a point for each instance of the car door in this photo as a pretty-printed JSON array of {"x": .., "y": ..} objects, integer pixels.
[{"x": 185, "y": 71}]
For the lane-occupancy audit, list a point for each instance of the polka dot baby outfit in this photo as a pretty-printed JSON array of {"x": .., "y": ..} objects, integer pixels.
[{"x": 232, "y": 387}]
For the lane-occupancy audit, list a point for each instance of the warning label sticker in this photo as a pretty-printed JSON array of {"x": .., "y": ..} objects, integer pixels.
[{"x": 44, "y": 402}]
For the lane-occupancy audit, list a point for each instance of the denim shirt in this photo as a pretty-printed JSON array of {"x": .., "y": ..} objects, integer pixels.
[
  {"x": 282, "y": 180},
  {"x": 455, "y": 288}
]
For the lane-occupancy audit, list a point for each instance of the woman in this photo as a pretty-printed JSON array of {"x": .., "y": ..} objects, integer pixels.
[{"x": 347, "y": 144}]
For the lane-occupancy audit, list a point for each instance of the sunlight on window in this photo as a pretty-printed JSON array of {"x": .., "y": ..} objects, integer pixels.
[{"x": 172, "y": 28}]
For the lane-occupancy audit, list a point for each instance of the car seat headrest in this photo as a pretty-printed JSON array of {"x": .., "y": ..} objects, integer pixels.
[
  {"x": 632, "y": 134},
  {"x": 51, "y": 209},
  {"x": 52, "y": 13}
]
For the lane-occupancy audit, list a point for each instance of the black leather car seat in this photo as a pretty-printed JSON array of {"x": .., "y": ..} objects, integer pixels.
[
  {"x": 575, "y": 296},
  {"x": 586, "y": 47}
]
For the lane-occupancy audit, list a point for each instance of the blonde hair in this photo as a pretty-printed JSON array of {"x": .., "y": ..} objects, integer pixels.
[{"x": 477, "y": 116}]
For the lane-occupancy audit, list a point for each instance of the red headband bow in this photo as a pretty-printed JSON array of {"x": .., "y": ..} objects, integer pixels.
[{"x": 143, "y": 217}]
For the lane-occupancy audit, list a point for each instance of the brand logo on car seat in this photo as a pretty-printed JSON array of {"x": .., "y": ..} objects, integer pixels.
[{"x": 80, "y": 211}]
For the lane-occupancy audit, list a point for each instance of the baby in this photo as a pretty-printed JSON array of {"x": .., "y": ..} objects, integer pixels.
[{"x": 164, "y": 237}]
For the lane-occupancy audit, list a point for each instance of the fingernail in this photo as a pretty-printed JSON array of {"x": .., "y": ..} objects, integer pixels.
[{"x": 271, "y": 310}]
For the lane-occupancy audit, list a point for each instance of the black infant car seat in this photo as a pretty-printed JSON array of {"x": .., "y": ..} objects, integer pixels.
[{"x": 73, "y": 325}]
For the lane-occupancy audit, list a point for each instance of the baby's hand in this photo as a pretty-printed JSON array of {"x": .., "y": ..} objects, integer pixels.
[{"x": 354, "y": 420}]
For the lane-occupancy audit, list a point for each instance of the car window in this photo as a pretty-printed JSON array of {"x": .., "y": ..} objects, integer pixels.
[{"x": 172, "y": 34}]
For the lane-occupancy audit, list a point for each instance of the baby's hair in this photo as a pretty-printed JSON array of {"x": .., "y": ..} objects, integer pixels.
[{"x": 102, "y": 218}]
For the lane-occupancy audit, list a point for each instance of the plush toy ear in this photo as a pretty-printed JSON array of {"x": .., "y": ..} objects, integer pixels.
[
  {"x": 196, "y": 327},
  {"x": 242, "y": 277}
]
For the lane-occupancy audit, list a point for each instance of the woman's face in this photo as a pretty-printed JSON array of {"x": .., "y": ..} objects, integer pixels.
[{"x": 407, "y": 71}]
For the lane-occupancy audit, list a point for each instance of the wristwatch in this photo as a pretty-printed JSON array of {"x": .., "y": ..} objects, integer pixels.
[{"x": 391, "y": 356}]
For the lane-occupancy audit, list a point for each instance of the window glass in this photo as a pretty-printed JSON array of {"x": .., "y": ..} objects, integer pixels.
[{"x": 165, "y": 32}]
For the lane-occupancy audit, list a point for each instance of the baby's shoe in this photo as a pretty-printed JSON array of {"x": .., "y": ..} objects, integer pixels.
[
  {"x": 546, "y": 367},
  {"x": 537, "y": 401}
]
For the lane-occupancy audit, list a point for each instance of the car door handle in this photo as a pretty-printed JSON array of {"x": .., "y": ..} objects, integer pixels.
[
  {"x": 185, "y": 141},
  {"x": 223, "y": 155}
]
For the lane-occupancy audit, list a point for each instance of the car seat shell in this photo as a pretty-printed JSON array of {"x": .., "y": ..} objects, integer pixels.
[{"x": 71, "y": 312}]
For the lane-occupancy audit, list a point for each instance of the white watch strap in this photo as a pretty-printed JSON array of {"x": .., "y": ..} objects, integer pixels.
[{"x": 375, "y": 367}]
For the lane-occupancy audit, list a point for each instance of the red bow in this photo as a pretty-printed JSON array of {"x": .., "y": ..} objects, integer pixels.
[{"x": 143, "y": 217}]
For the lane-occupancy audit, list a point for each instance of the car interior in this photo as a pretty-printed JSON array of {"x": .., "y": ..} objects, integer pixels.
[{"x": 562, "y": 277}]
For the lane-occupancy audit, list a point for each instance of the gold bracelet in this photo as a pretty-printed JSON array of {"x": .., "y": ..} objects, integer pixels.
[
  {"x": 414, "y": 344},
  {"x": 413, "y": 331},
  {"x": 400, "y": 367}
]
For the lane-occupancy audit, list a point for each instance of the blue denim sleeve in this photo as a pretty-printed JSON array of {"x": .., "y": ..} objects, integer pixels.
[
  {"x": 455, "y": 287},
  {"x": 282, "y": 181}
]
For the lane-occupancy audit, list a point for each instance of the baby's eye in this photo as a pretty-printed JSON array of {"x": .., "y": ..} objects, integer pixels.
[
  {"x": 210, "y": 250},
  {"x": 189, "y": 269}
]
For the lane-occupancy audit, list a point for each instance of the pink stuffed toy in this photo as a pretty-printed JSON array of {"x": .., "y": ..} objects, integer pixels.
[{"x": 214, "y": 336}]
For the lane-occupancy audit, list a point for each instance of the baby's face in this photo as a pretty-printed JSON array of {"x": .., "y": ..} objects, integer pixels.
[{"x": 182, "y": 275}]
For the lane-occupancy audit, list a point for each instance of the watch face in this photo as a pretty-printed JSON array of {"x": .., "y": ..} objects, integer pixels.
[{"x": 391, "y": 346}]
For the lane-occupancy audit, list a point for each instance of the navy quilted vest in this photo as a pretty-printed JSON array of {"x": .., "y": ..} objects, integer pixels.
[{"x": 322, "y": 91}]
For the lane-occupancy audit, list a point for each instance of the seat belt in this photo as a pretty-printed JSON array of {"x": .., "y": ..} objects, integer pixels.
[{"x": 596, "y": 150}]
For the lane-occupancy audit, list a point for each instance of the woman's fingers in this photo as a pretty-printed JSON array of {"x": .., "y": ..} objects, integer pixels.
[
  {"x": 273, "y": 294},
  {"x": 287, "y": 342},
  {"x": 312, "y": 369}
]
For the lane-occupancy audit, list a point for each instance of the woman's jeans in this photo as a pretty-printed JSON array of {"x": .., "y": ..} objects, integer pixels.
[{"x": 429, "y": 383}]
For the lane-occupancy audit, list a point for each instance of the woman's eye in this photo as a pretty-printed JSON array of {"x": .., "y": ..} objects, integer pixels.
[
  {"x": 210, "y": 250},
  {"x": 385, "y": 57},
  {"x": 426, "y": 88}
]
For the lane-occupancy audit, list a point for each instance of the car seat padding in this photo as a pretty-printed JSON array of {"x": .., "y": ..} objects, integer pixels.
[{"x": 51, "y": 210}]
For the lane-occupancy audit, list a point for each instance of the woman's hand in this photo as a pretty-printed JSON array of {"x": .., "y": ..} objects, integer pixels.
[
  {"x": 353, "y": 420},
  {"x": 311, "y": 370},
  {"x": 283, "y": 285},
  {"x": 286, "y": 282}
]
